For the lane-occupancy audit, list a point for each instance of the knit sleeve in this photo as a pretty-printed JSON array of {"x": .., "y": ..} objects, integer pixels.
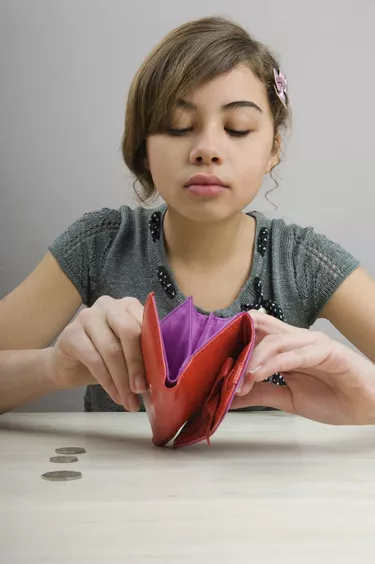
[
  {"x": 320, "y": 266},
  {"x": 82, "y": 248}
]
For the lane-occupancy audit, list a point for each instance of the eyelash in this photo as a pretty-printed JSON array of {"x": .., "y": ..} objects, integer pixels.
[{"x": 232, "y": 132}]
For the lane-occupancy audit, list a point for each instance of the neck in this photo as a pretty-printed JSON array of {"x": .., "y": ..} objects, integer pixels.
[{"x": 206, "y": 244}]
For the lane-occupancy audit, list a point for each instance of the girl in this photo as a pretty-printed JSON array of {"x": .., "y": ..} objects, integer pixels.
[{"x": 204, "y": 122}]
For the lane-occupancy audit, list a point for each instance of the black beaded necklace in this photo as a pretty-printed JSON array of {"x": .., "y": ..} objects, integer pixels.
[{"x": 267, "y": 306}]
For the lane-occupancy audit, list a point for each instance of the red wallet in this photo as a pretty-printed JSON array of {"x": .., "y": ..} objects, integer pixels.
[{"x": 193, "y": 365}]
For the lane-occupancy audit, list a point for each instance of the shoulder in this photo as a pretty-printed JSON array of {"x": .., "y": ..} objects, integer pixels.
[
  {"x": 102, "y": 222},
  {"x": 83, "y": 248},
  {"x": 306, "y": 264},
  {"x": 303, "y": 244},
  {"x": 284, "y": 233},
  {"x": 105, "y": 223}
]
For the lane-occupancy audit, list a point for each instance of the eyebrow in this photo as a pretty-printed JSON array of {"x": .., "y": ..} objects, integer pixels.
[{"x": 231, "y": 106}]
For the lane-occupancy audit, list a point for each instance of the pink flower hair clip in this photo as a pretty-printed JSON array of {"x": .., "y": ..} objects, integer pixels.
[{"x": 281, "y": 86}]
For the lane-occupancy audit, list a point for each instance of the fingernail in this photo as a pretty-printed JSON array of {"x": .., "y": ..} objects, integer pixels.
[
  {"x": 133, "y": 402},
  {"x": 245, "y": 389},
  {"x": 140, "y": 384},
  {"x": 255, "y": 369}
]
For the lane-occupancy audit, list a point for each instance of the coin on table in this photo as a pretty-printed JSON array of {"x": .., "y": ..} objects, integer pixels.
[
  {"x": 70, "y": 450},
  {"x": 63, "y": 459},
  {"x": 61, "y": 476}
]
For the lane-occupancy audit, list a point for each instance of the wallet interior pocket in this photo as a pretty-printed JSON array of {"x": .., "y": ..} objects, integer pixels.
[{"x": 184, "y": 332}]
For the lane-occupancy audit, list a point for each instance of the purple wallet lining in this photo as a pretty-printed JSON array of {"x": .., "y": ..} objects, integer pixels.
[{"x": 184, "y": 332}]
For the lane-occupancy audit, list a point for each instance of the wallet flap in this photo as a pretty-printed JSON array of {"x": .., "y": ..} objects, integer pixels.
[
  {"x": 208, "y": 417},
  {"x": 198, "y": 426}
]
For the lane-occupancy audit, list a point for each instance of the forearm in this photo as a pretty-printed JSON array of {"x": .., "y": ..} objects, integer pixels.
[
  {"x": 24, "y": 377},
  {"x": 362, "y": 376}
]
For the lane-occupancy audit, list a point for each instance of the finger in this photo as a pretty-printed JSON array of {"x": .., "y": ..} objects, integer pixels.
[
  {"x": 135, "y": 308},
  {"x": 246, "y": 382},
  {"x": 266, "y": 395},
  {"x": 84, "y": 350},
  {"x": 273, "y": 345},
  {"x": 267, "y": 324},
  {"x": 308, "y": 357},
  {"x": 125, "y": 319},
  {"x": 110, "y": 349}
]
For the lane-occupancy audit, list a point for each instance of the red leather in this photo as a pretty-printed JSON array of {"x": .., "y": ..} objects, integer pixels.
[{"x": 193, "y": 408}]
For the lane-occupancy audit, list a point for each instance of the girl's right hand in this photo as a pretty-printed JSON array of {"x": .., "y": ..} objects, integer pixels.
[{"x": 102, "y": 346}]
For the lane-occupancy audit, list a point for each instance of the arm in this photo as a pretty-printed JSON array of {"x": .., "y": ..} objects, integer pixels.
[
  {"x": 35, "y": 312},
  {"x": 351, "y": 309},
  {"x": 32, "y": 316},
  {"x": 40, "y": 307},
  {"x": 331, "y": 284},
  {"x": 24, "y": 376},
  {"x": 101, "y": 346}
]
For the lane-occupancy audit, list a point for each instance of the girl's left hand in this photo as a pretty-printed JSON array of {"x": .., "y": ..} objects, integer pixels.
[{"x": 326, "y": 381}]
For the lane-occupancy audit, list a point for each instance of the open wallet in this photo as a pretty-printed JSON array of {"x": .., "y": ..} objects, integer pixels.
[{"x": 193, "y": 364}]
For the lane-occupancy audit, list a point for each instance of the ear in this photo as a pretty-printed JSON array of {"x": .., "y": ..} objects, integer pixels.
[{"x": 274, "y": 159}]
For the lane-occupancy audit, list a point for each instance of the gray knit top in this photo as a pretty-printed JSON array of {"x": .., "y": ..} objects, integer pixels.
[{"x": 121, "y": 252}]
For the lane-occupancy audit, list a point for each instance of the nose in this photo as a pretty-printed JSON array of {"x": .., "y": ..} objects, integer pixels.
[{"x": 206, "y": 151}]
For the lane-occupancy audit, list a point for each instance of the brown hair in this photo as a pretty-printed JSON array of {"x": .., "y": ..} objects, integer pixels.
[{"x": 189, "y": 56}]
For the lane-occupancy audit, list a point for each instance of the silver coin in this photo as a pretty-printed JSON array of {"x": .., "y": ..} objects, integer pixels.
[
  {"x": 61, "y": 476},
  {"x": 70, "y": 450},
  {"x": 63, "y": 459}
]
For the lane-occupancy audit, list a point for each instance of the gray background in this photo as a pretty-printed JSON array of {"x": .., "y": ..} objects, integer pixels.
[{"x": 65, "y": 70}]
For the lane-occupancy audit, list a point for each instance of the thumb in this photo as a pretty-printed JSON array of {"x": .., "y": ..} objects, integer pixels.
[{"x": 265, "y": 394}]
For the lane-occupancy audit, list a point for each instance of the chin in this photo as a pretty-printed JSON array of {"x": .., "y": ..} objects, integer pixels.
[{"x": 206, "y": 211}]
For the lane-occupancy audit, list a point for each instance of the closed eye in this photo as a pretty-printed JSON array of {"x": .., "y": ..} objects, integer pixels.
[
  {"x": 179, "y": 131},
  {"x": 232, "y": 132},
  {"x": 236, "y": 133}
]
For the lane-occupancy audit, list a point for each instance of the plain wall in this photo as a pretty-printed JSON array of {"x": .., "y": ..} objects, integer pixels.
[{"x": 65, "y": 70}]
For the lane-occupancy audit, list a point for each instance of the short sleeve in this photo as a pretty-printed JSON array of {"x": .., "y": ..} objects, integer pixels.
[
  {"x": 320, "y": 266},
  {"x": 82, "y": 248}
]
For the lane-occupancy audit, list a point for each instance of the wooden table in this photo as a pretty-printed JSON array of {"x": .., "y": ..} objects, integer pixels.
[{"x": 271, "y": 488}]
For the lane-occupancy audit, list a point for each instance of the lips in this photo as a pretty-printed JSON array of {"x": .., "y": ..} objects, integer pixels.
[{"x": 205, "y": 180}]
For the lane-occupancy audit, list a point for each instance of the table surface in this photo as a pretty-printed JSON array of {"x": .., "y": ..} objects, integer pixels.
[{"x": 271, "y": 486}]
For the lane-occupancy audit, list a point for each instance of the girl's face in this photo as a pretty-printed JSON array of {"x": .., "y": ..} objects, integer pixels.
[{"x": 225, "y": 128}]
